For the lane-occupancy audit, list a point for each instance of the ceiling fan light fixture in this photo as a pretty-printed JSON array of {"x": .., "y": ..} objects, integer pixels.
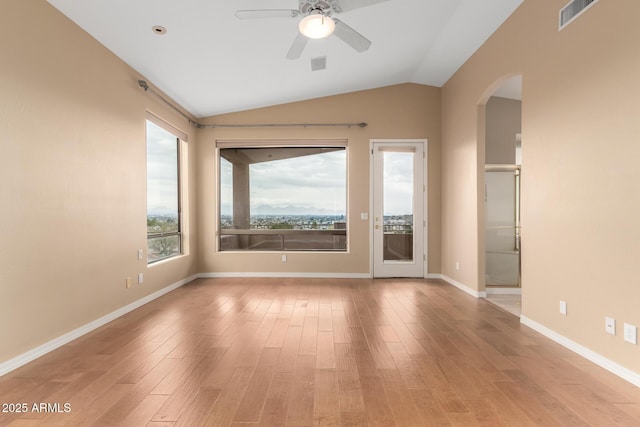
[{"x": 317, "y": 26}]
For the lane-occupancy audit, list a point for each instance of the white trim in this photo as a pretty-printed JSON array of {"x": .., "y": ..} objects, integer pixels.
[
  {"x": 608, "y": 364},
  {"x": 503, "y": 291},
  {"x": 433, "y": 276},
  {"x": 55, "y": 343},
  {"x": 286, "y": 275},
  {"x": 463, "y": 287}
]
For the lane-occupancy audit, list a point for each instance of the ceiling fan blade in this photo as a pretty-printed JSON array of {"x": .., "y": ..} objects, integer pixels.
[
  {"x": 267, "y": 13},
  {"x": 347, "y": 5},
  {"x": 351, "y": 36},
  {"x": 298, "y": 45}
]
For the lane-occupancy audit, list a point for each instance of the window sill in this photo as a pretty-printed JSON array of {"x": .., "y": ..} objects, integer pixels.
[{"x": 166, "y": 260}]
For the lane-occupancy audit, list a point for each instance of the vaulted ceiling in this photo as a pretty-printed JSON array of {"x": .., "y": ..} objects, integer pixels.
[{"x": 211, "y": 62}]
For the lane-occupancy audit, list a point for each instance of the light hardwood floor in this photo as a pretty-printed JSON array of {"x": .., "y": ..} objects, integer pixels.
[{"x": 303, "y": 352}]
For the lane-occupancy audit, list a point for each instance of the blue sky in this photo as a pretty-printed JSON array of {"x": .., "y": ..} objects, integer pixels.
[
  {"x": 313, "y": 184},
  {"x": 316, "y": 185},
  {"x": 398, "y": 183},
  {"x": 162, "y": 178}
]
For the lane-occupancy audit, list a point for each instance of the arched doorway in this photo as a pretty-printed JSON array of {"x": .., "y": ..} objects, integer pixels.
[{"x": 499, "y": 173}]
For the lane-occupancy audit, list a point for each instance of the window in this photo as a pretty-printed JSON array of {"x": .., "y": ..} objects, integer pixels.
[
  {"x": 283, "y": 198},
  {"x": 164, "y": 228}
]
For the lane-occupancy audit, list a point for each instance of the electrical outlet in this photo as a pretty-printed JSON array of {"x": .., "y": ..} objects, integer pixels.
[
  {"x": 630, "y": 334},
  {"x": 127, "y": 282},
  {"x": 284, "y": 258},
  {"x": 140, "y": 278},
  {"x": 457, "y": 266},
  {"x": 610, "y": 325},
  {"x": 563, "y": 308}
]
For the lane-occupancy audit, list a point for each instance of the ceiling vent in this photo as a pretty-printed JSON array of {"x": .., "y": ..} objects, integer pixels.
[
  {"x": 319, "y": 63},
  {"x": 574, "y": 9}
]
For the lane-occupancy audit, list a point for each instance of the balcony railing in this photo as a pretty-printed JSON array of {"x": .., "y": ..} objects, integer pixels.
[
  {"x": 283, "y": 240},
  {"x": 398, "y": 228}
]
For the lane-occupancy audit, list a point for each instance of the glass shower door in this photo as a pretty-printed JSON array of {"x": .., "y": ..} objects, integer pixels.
[{"x": 502, "y": 225}]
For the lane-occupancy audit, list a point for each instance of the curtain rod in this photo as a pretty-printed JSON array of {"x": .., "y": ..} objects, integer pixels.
[
  {"x": 286, "y": 125},
  {"x": 143, "y": 84}
]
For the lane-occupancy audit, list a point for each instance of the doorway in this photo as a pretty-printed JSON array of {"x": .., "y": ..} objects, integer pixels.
[{"x": 398, "y": 171}]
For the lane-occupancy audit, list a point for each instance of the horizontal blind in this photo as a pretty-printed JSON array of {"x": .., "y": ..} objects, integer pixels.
[{"x": 167, "y": 126}]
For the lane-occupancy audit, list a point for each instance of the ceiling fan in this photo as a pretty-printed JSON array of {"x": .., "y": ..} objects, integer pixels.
[{"x": 317, "y": 22}]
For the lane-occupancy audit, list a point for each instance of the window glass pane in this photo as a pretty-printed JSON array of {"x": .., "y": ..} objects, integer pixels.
[
  {"x": 286, "y": 188},
  {"x": 310, "y": 185},
  {"x": 162, "y": 247},
  {"x": 398, "y": 206},
  {"x": 162, "y": 193},
  {"x": 226, "y": 193}
]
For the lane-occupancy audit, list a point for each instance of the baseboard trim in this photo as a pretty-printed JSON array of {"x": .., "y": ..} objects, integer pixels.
[
  {"x": 504, "y": 291},
  {"x": 608, "y": 364},
  {"x": 463, "y": 287},
  {"x": 434, "y": 276},
  {"x": 55, "y": 343},
  {"x": 286, "y": 275}
]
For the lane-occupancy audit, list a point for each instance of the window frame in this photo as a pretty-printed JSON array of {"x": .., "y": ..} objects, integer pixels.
[
  {"x": 180, "y": 138},
  {"x": 280, "y": 143}
]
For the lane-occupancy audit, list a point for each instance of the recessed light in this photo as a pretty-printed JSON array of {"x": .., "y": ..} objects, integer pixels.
[{"x": 159, "y": 29}]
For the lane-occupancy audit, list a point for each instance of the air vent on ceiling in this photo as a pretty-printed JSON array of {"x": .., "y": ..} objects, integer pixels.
[
  {"x": 574, "y": 9},
  {"x": 319, "y": 63}
]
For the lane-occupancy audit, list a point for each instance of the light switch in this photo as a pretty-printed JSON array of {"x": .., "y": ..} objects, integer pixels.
[{"x": 630, "y": 334}]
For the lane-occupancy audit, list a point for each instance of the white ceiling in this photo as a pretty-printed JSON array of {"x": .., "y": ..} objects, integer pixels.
[{"x": 211, "y": 63}]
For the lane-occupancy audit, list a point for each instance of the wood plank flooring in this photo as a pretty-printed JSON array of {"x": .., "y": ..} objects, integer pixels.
[{"x": 317, "y": 352}]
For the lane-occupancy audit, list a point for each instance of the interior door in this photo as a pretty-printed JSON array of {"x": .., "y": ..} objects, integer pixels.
[{"x": 398, "y": 209}]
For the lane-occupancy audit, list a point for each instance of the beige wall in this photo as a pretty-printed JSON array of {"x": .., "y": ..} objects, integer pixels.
[
  {"x": 503, "y": 122},
  {"x": 72, "y": 168},
  {"x": 580, "y": 203},
  {"x": 403, "y": 111}
]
